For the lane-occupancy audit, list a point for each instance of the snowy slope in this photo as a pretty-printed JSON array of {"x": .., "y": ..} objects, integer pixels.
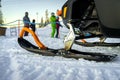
[{"x": 19, "y": 64}]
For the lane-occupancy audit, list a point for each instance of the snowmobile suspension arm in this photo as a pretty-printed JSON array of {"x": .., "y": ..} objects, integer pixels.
[
  {"x": 69, "y": 39},
  {"x": 41, "y": 46}
]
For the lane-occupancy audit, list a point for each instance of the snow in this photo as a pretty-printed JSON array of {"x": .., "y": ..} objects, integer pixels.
[{"x": 19, "y": 64}]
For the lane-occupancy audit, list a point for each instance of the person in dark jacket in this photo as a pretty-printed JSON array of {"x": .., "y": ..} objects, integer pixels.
[
  {"x": 33, "y": 26},
  {"x": 26, "y": 22},
  {"x": 58, "y": 25}
]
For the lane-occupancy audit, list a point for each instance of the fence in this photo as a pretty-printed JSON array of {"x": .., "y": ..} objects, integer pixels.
[
  {"x": 14, "y": 27},
  {"x": 2, "y": 31}
]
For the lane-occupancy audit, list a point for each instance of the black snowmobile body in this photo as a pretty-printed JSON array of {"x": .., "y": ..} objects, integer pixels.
[
  {"x": 105, "y": 13},
  {"x": 99, "y": 18}
]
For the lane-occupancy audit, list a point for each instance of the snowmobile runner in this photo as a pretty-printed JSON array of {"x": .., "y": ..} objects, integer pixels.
[{"x": 78, "y": 14}]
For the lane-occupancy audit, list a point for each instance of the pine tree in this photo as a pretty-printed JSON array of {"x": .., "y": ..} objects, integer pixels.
[
  {"x": 46, "y": 15},
  {"x": 1, "y": 15},
  {"x": 41, "y": 24}
]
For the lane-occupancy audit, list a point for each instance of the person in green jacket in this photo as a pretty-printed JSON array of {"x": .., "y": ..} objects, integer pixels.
[{"x": 53, "y": 24}]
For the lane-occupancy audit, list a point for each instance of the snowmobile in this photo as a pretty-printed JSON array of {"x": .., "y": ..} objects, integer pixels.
[
  {"x": 92, "y": 18},
  {"x": 86, "y": 19}
]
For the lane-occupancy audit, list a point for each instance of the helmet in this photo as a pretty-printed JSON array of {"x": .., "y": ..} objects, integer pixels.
[
  {"x": 59, "y": 12},
  {"x": 52, "y": 14}
]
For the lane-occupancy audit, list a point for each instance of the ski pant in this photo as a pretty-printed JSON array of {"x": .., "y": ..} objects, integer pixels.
[
  {"x": 33, "y": 28},
  {"x": 26, "y": 33},
  {"x": 57, "y": 33},
  {"x": 53, "y": 31}
]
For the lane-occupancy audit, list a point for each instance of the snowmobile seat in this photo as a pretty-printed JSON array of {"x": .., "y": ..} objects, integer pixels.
[{"x": 109, "y": 17}]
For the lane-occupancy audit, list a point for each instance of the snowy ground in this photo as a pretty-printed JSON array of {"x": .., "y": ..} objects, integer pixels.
[{"x": 19, "y": 64}]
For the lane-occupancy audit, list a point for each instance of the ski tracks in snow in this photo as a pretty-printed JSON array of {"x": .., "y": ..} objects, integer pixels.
[{"x": 27, "y": 66}]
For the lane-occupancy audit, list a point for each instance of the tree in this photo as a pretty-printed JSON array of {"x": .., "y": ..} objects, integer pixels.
[
  {"x": 1, "y": 15},
  {"x": 47, "y": 18},
  {"x": 41, "y": 24}
]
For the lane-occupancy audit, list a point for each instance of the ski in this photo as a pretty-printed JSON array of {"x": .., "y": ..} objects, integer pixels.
[
  {"x": 91, "y": 44},
  {"x": 65, "y": 53}
]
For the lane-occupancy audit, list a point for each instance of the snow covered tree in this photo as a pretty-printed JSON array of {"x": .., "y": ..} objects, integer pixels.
[
  {"x": 1, "y": 15},
  {"x": 47, "y": 18},
  {"x": 41, "y": 23}
]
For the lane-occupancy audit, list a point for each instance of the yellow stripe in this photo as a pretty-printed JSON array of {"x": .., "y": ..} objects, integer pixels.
[{"x": 65, "y": 11}]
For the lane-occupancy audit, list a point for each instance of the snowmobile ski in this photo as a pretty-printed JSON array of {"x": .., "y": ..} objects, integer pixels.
[
  {"x": 65, "y": 53},
  {"x": 91, "y": 44}
]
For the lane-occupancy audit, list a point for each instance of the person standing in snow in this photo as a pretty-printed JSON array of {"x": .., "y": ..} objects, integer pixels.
[
  {"x": 57, "y": 26},
  {"x": 26, "y": 22},
  {"x": 53, "y": 24},
  {"x": 33, "y": 25}
]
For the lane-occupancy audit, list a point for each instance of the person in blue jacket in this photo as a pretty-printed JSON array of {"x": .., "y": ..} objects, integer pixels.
[{"x": 26, "y": 22}]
